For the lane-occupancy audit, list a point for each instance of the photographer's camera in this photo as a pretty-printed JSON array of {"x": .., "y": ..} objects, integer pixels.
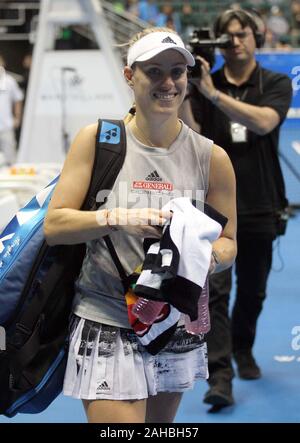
[{"x": 202, "y": 43}]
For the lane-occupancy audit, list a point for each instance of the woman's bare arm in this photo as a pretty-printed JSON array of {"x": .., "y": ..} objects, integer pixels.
[
  {"x": 65, "y": 223},
  {"x": 222, "y": 197}
]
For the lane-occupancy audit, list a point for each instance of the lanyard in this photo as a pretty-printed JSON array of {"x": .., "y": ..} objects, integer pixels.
[{"x": 243, "y": 96}]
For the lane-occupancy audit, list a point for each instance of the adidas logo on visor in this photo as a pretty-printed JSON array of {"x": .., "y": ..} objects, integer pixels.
[
  {"x": 153, "y": 44},
  {"x": 168, "y": 40}
]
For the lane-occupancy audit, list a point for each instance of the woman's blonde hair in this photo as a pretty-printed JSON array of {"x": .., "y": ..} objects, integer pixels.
[{"x": 131, "y": 113}]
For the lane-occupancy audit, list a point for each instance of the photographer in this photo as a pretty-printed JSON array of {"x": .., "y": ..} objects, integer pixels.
[{"x": 241, "y": 107}]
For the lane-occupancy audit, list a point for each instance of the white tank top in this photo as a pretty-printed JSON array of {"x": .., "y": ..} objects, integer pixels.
[{"x": 150, "y": 177}]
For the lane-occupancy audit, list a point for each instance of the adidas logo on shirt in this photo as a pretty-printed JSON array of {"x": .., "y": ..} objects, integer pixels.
[
  {"x": 103, "y": 386},
  {"x": 168, "y": 40},
  {"x": 154, "y": 176}
]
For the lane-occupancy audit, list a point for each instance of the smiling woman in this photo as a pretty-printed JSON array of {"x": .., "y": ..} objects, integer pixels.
[
  {"x": 159, "y": 87},
  {"x": 108, "y": 366},
  {"x": 157, "y": 72}
]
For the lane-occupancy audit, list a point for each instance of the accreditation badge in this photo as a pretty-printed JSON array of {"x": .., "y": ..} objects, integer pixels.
[{"x": 238, "y": 132}]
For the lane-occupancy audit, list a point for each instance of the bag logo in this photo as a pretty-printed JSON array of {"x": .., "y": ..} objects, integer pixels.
[
  {"x": 110, "y": 133},
  {"x": 3, "y": 239}
]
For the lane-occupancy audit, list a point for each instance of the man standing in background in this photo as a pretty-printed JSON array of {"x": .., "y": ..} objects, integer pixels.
[{"x": 241, "y": 107}]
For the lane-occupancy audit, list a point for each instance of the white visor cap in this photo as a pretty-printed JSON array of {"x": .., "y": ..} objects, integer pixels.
[{"x": 154, "y": 43}]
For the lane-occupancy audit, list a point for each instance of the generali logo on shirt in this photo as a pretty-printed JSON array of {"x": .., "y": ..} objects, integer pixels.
[{"x": 153, "y": 182}]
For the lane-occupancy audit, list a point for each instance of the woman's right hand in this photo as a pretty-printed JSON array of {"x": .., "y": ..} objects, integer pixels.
[{"x": 144, "y": 222}]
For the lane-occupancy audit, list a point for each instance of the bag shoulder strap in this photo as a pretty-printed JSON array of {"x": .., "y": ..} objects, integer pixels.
[
  {"x": 110, "y": 152},
  {"x": 117, "y": 262}
]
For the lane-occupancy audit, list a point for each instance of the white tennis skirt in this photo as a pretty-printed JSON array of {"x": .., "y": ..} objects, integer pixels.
[{"x": 107, "y": 362}]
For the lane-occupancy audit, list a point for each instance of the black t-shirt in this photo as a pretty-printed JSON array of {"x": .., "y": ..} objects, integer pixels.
[{"x": 260, "y": 185}]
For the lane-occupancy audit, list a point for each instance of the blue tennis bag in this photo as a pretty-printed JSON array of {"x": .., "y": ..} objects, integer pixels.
[{"x": 37, "y": 288}]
